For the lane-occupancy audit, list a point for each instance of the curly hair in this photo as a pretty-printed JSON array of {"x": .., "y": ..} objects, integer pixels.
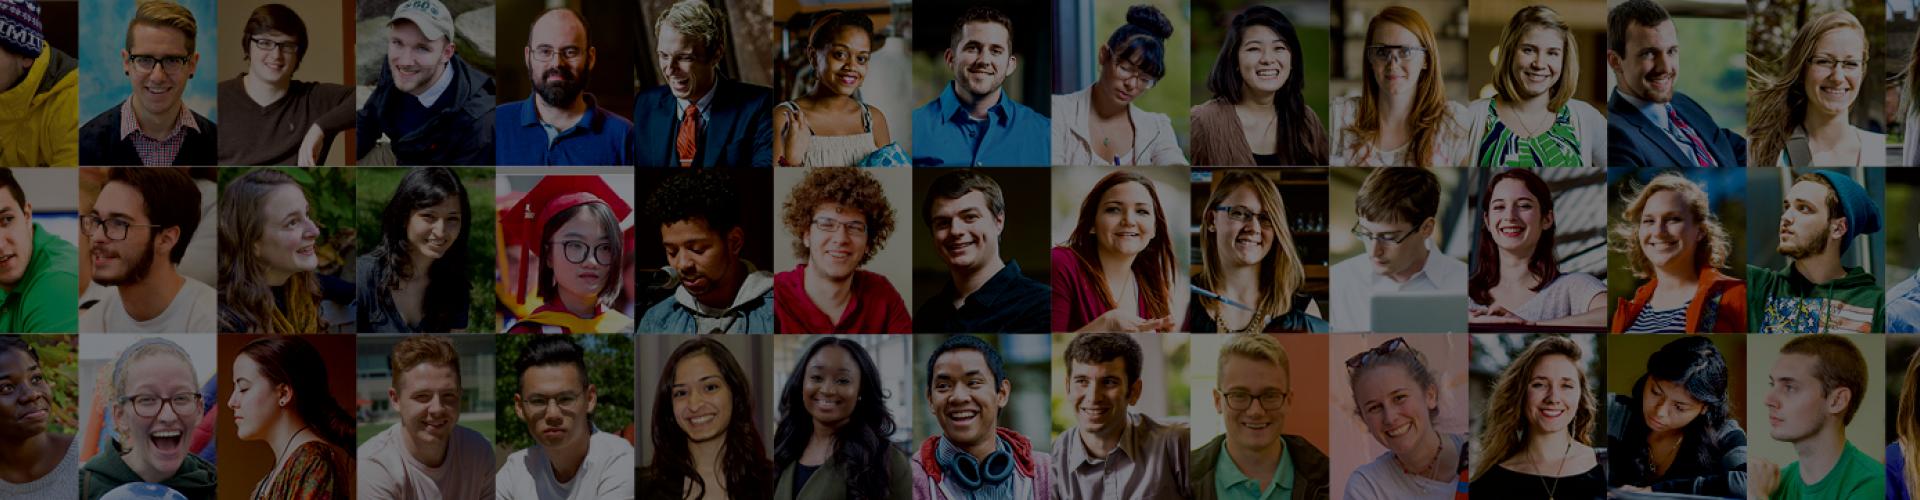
[
  {"x": 1507, "y": 430},
  {"x": 1626, "y": 231},
  {"x": 849, "y": 187},
  {"x": 706, "y": 194}
]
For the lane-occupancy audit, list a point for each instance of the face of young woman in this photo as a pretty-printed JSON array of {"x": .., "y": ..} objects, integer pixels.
[
  {"x": 1832, "y": 78},
  {"x": 836, "y": 253},
  {"x": 584, "y": 278},
  {"x": 287, "y": 242},
  {"x": 1553, "y": 394},
  {"x": 1666, "y": 406},
  {"x": 1265, "y": 60},
  {"x": 832, "y": 386},
  {"x": 842, "y": 64},
  {"x": 1124, "y": 79},
  {"x": 1397, "y": 76},
  {"x": 1537, "y": 61},
  {"x": 432, "y": 230},
  {"x": 1242, "y": 243},
  {"x": 1515, "y": 218},
  {"x": 254, "y": 402},
  {"x": 702, "y": 401},
  {"x": 157, "y": 445},
  {"x": 1124, "y": 223},
  {"x": 1668, "y": 232},
  {"x": 1395, "y": 408}
]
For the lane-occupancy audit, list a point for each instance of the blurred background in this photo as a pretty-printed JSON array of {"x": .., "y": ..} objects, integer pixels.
[
  {"x": 750, "y": 29},
  {"x": 612, "y": 42},
  {"x": 60, "y": 367},
  {"x": 1768, "y": 186},
  {"x": 1446, "y": 356},
  {"x": 1866, "y": 431},
  {"x": 1165, "y": 387},
  {"x": 1493, "y": 354},
  {"x": 103, "y": 80},
  {"x": 884, "y": 86},
  {"x": 329, "y": 27},
  {"x": 1081, "y": 28},
  {"x": 893, "y": 261},
  {"x": 1031, "y": 83},
  {"x": 1627, "y": 357},
  {"x": 98, "y": 353},
  {"x": 754, "y": 190},
  {"x": 1026, "y": 360},
  {"x": 1304, "y": 190},
  {"x": 249, "y": 462},
  {"x": 1579, "y": 217},
  {"x": 374, "y": 188},
  {"x": 1896, "y": 50},
  {"x": 1726, "y": 200},
  {"x": 1304, "y": 413},
  {"x": 892, "y": 356},
  {"x": 1453, "y": 234},
  {"x": 1772, "y": 25},
  {"x": 374, "y": 412},
  {"x": 330, "y": 199},
  {"x": 473, "y": 37},
  {"x": 1211, "y": 18},
  {"x": 609, "y": 369},
  {"x": 1713, "y": 57},
  {"x": 1901, "y": 226},
  {"x": 1487, "y": 19},
  {"x": 1074, "y": 184},
  {"x": 1449, "y": 21},
  {"x": 754, "y": 353},
  {"x": 508, "y": 190}
]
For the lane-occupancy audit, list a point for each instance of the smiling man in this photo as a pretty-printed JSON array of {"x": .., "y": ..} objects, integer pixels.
[
  {"x": 428, "y": 455},
  {"x": 137, "y": 247},
  {"x": 39, "y": 280},
  {"x": 1111, "y": 452},
  {"x": 430, "y": 107},
  {"x": 37, "y": 463},
  {"x": 1253, "y": 460},
  {"x": 570, "y": 459},
  {"x": 974, "y": 122},
  {"x": 967, "y": 213},
  {"x": 561, "y": 124},
  {"x": 1815, "y": 388},
  {"x": 153, "y": 127},
  {"x": 1820, "y": 216},
  {"x": 1654, "y": 125},
  {"x": 699, "y": 117},
  {"x": 973, "y": 457},
  {"x": 719, "y": 292},
  {"x": 1396, "y": 209}
]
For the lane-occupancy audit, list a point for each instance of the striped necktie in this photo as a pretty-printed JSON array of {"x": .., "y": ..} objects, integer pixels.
[
  {"x": 1696, "y": 148},
  {"x": 685, "y": 142}
]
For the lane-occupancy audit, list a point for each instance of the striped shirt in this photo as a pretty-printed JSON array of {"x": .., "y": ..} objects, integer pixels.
[{"x": 1653, "y": 320}]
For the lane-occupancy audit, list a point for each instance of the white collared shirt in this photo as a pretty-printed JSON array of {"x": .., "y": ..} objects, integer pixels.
[
  {"x": 1354, "y": 283},
  {"x": 706, "y": 105},
  {"x": 439, "y": 86}
]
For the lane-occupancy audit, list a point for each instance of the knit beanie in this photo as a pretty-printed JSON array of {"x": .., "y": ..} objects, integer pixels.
[
  {"x": 20, "y": 27},
  {"x": 1863, "y": 215}
]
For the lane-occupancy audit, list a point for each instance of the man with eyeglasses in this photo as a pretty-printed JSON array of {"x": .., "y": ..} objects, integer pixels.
[
  {"x": 37, "y": 463},
  {"x": 39, "y": 280},
  {"x": 138, "y": 231},
  {"x": 430, "y": 107},
  {"x": 1653, "y": 124},
  {"x": 967, "y": 213},
  {"x": 1396, "y": 208},
  {"x": 973, "y": 457},
  {"x": 839, "y": 218},
  {"x": 153, "y": 127},
  {"x": 271, "y": 118},
  {"x": 560, "y": 124},
  {"x": 569, "y": 458},
  {"x": 1253, "y": 460}
]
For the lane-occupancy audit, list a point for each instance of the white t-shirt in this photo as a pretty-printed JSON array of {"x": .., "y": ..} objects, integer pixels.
[
  {"x": 387, "y": 471},
  {"x": 193, "y": 310},
  {"x": 607, "y": 473}
]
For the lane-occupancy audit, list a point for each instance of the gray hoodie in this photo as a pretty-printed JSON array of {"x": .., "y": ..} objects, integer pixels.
[{"x": 751, "y": 311}]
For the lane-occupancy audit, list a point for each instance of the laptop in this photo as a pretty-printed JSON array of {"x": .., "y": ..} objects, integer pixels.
[{"x": 1420, "y": 312}]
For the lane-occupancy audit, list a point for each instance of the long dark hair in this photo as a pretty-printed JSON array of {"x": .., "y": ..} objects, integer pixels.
[
  {"x": 1486, "y": 256},
  {"x": 447, "y": 296},
  {"x": 749, "y": 473},
  {"x": 246, "y": 300},
  {"x": 861, "y": 446},
  {"x": 293, "y": 362},
  {"x": 1300, "y": 139},
  {"x": 1692, "y": 363}
]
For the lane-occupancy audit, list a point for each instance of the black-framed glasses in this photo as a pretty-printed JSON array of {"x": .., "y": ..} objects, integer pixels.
[
  {"x": 148, "y": 405},
  {"x": 263, "y": 44},
  {"x": 172, "y": 64},
  {"x": 1241, "y": 400},
  {"x": 831, "y": 225},
  {"x": 1367, "y": 356},
  {"x": 538, "y": 403},
  {"x": 1242, "y": 214},
  {"x": 545, "y": 53},
  {"x": 116, "y": 229},
  {"x": 576, "y": 252},
  {"x": 1383, "y": 237}
]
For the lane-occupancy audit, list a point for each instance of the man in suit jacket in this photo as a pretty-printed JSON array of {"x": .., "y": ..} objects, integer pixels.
[
  {"x": 731, "y": 122},
  {"x": 1652, "y": 125}
]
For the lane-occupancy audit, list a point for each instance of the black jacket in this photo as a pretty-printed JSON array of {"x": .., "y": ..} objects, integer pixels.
[
  {"x": 461, "y": 133},
  {"x": 101, "y": 144},
  {"x": 1310, "y": 474},
  {"x": 1713, "y": 465}
]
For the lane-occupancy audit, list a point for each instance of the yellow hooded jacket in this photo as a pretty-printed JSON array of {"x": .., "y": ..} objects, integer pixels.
[{"x": 42, "y": 125}]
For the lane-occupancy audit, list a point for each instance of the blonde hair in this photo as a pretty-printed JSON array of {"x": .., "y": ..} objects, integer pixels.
[
  {"x": 1257, "y": 347},
  {"x": 1907, "y": 427},
  {"x": 1779, "y": 101},
  {"x": 1506, "y": 428},
  {"x": 1714, "y": 245},
  {"x": 143, "y": 349},
  {"x": 1430, "y": 111},
  {"x": 1280, "y": 271},
  {"x": 163, "y": 14},
  {"x": 1506, "y": 84},
  {"x": 695, "y": 19}
]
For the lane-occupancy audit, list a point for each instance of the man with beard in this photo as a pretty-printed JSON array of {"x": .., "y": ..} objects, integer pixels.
[
  {"x": 973, "y": 457},
  {"x": 559, "y": 124},
  {"x": 153, "y": 127},
  {"x": 719, "y": 292},
  {"x": 39, "y": 284},
  {"x": 1653, "y": 125},
  {"x": 966, "y": 212},
  {"x": 139, "y": 228},
  {"x": 38, "y": 464},
  {"x": 428, "y": 455},
  {"x": 569, "y": 458},
  {"x": 1822, "y": 213},
  {"x": 1814, "y": 389},
  {"x": 430, "y": 107},
  {"x": 973, "y": 122},
  {"x": 699, "y": 118},
  {"x": 1111, "y": 452}
]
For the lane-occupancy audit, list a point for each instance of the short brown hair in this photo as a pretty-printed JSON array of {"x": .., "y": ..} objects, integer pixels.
[
  {"x": 1096, "y": 348},
  {"x": 1841, "y": 366},
  {"x": 1833, "y": 195},
  {"x": 956, "y": 184},
  {"x": 1399, "y": 194},
  {"x": 421, "y": 349},
  {"x": 849, "y": 187},
  {"x": 163, "y": 14},
  {"x": 979, "y": 14}
]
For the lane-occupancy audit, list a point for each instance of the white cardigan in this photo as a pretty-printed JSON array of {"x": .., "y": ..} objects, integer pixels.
[
  {"x": 1588, "y": 125},
  {"x": 1154, "y": 141}
]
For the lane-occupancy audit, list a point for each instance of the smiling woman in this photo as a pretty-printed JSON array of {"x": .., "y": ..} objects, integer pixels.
[
  {"x": 415, "y": 279},
  {"x": 1537, "y": 438},
  {"x": 1800, "y": 113},
  {"x": 269, "y": 242}
]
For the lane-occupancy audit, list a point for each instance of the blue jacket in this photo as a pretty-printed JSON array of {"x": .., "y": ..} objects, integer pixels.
[
  {"x": 601, "y": 138},
  {"x": 1015, "y": 135},
  {"x": 1634, "y": 141},
  {"x": 739, "y": 128}
]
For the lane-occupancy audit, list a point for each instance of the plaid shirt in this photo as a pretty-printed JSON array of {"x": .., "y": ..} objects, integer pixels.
[{"x": 156, "y": 152}]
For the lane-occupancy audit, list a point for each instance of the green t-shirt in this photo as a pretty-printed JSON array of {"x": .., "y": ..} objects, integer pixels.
[
  {"x": 1856, "y": 475},
  {"x": 1232, "y": 485},
  {"x": 47, "y": 298}
]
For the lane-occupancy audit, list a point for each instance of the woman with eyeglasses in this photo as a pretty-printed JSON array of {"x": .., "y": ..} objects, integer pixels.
[
  {"x": 1099, "y": 125},
  {"x": 1798, "y": 115},
  {"x": 1668, "y": 234},
  {"x": 415, "y": 279},
  {"x": 839, "y": 218},
  {"x": 1516, "y": 278},
  {"x": 833, "y": 439},
  {"x": 269, "y": 244},
  {"x": 1675, "y": 432},
  {"x": 1397, "y": 396},
  {"x": 280, "y": 396},
  {"x": 1258, "y": 115},
  {"x": 570, "y": 233},
  {"x": 266, "y": 117},
  {"x": 1248, "y": 263},
  {"x": 705, "y": 443},
  {"x": 156, "y": 405},
  {"x": 1537, "y": 439},
  {"x": 1115, "y": 271},
  {"x": 1402, "y": 116},
  {"x": 1533, "y": 120},
  {"x": 831, "y": 126}
]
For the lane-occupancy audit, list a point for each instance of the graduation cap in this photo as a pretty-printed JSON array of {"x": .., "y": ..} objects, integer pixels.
[{"x": 553, "y": 195}]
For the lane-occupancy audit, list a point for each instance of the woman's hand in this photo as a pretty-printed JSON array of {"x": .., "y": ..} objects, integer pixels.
[
  {"x": 1124, "y": 321},
  {"x": 796, "y": 137},
  {"x": 1494, "y": 315}
]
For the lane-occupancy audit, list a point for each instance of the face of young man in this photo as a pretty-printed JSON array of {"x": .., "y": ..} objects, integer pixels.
[
  {"x": 24, "y": 406},
  {"x": 157, "y": 90},
  {"x": 1396, "y": 259},
  {"x": 1805, "y": 221},
  {"x": 687, "y": 63},
  {"x": 1257, "y": 382},
  {"x": 415, "y": 61},
  {"x": 1797, "y": 406},
  {"x": 556, "y": 402},
  {"x": 16, "y": 238},
  {"x": 562, "y": 39},
  {"x": 982, "y": 59},
  {"x": 428, "y": 398},
  {"x": 130, "y": 259},
  {"x": 1652, "y": 62},
  {"x": 708, "y": 261},
  {"x": 966, "y": 233},
  {"x": 1100, "y": 394},
  {"x": 965, "y": 399}
]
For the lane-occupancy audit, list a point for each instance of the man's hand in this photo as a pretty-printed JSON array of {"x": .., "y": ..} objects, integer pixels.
[
  {"x": 1762, "y": 478},
  {"x": 310, "y": 146}
]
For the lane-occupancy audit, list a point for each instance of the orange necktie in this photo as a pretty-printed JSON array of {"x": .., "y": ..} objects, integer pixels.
[{"x": 685, "y": 144}]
